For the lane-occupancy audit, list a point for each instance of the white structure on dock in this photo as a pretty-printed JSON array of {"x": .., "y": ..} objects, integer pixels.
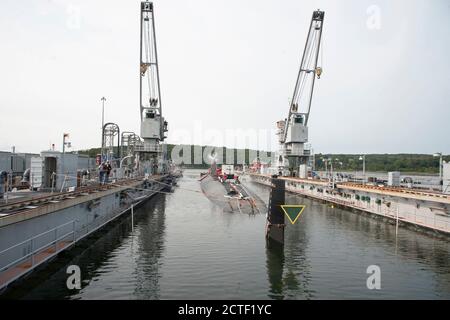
[
  {"x": 54, "y": 170},
  {"x": 446, "y": 177},
  {"x": 394, "y": 178}
]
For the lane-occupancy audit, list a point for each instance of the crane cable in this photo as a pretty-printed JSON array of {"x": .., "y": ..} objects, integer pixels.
[
  {"x": 147, "y": 57},
  {"x": 300, "y": 80},
  {"x": 322, "y": 40},
  {"x": 149, "y": 79},
  {"x": 151, "y": 60},
  {"x": 305, "y": 67},
  {"x": 301, "y": 76},
  {"x": 155, "y": 82},
  {"x": 307, "y": 64}
]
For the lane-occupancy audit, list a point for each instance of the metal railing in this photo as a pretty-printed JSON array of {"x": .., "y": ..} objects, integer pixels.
[
  {"x": 305, "y": 152},
  {"x": 29, "y": 249},
  {"x": 149, "y": 148}
]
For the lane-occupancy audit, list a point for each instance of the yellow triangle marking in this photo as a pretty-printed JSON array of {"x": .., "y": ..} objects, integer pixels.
[{"x": 300, "y": 206}]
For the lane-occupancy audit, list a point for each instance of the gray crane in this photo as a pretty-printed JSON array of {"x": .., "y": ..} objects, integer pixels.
[
  {"x": 293, "y": 131},
  {"x": 153, "y": 126}
]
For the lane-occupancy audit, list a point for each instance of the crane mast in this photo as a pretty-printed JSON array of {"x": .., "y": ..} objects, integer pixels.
[
  {"x": 153, "y": 125},
  {"x": 293, "y": 131},
  {"x": 152, "y": 122}
]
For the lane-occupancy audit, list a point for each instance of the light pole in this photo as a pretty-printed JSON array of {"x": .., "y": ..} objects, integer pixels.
[
  {"x": 332, "y": 172},
  {"x": 439, "y": 154},
  {"x": 363, "y": 158},
  {"x": 103, "y": 99},
  {"x": 103, "y": 111},
  {"x": 325, "y": 160}
]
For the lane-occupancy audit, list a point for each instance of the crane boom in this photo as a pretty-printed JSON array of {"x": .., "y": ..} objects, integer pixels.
[{"x": 308, "y": 70}]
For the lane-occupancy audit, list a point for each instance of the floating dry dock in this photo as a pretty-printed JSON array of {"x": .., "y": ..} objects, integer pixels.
[
  {"x": 38, "y": 227},
  {"x": 430, "y": 210}
]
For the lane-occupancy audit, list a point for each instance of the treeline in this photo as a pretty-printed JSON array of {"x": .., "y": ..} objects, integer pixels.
[
  {"x": 199, "y": 156},
  {"x": 420, "y": 163}
]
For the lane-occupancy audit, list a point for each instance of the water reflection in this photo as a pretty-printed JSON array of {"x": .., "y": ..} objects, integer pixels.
[
  {"x": 288, "y": 269},
  {"x": 298, "y": 269},
  {"x": 347, "y": 243},
  {"x": 275, "y": 268},
  {"x": 150, "y": 242}
]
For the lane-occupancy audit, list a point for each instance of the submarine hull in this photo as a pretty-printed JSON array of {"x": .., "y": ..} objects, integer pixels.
[{"x": 234, "y": 198}]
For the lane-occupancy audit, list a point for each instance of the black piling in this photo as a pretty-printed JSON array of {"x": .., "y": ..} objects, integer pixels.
[{"x": 275, "y": 218}]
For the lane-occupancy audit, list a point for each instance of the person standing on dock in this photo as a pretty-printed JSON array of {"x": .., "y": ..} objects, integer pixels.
[
  {"x": 3, "y": 183},
  {"x": 101, "y": 173},
  {"x": 108, "y": 169}
]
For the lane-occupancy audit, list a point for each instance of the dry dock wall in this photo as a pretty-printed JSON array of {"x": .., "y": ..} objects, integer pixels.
[
  {"x": 45, "y": 228},
  {"x": 32, "y": 236},
  {"x": 431, "y": 212}
]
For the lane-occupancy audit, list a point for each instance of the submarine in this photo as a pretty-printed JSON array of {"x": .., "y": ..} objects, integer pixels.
[{"x": 223, "y": 188}]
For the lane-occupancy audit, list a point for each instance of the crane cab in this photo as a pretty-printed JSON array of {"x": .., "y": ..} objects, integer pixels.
[
  {"x": 297, "y": 131},
  {"x": 151, "y": 125}
]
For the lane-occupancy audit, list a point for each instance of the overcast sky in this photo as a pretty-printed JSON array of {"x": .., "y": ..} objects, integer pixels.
[{"x": 228, "y": 66}]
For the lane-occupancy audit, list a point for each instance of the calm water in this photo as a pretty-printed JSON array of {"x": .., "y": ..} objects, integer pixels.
[{"x": 182, "y": 247}]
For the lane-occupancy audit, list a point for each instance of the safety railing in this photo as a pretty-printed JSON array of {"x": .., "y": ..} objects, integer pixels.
[
  {"x": 149, "y": 148},
  {"x": 33, "y": 250},
  {"x": 305, "y": 153}
]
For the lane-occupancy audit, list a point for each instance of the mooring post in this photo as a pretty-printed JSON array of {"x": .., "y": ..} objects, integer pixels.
[{"x": 275, "y": 216}]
